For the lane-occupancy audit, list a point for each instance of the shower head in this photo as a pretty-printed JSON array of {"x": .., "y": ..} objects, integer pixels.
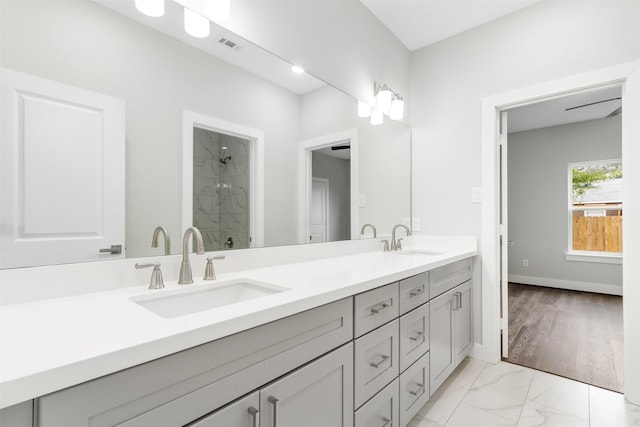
[{"x": 224, "y": 160}]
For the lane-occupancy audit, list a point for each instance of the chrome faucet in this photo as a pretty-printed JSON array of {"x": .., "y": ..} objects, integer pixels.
[
  {"x": 185, "y": 267},
  {"x": 375, "y": 232},
  {"x": 167, "y": 241},
  {"x": 396, "y": 244}
]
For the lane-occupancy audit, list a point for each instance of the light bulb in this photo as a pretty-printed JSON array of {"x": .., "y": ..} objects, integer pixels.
[
  {"x": 154, "y": 8},
  {"x": 364, "y": 109},
  {"x": 397, "y": 109},
  {"x": 297, "y": 69},
  {"x": 217, "y": 10},
  {"x": 383, "y": 99},
  {"x": 195, "y": 25},
  {"x": 376, "y": 117}
]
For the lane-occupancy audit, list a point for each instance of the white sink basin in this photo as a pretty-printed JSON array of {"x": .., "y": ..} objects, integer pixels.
[
  {"x": 416, "y": 252},
  {"x": 195, "y": 298}
]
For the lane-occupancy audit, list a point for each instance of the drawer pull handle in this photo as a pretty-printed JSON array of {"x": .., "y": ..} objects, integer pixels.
[
  {"x": 274, "y": 402},
  {"x": 415, "y": 338},
  {"x": 376, "y": 310},
  {"x": 386, "y": 420},
  {"x": 377, "y": 364},
  {"x": 255, "y": 414},
  {"x": 415, "y": 392},
  {"x": 456, "y": 301},
  {"x": 415, "y": 292}
]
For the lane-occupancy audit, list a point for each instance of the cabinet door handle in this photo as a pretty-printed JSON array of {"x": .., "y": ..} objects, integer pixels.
[
  {"x": 255, "y": 416},
  {"x": 386, "y": 421},
  {"x": 113, "y": 250},
  {"x": 456, "y": 301},
  {"x": 459, "y": 299},
  {"x": 274, "y": 402},
  {"x": 416, "y": 337},
  {"x": 416, "y": 291},
  {"x": 418, "y": 390},
  {"x": 377, "y": 364},
  {"x": 376, "y": 310}
]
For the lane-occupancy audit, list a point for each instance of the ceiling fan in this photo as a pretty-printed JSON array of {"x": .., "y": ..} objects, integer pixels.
[{"x": 614, "y": 113}]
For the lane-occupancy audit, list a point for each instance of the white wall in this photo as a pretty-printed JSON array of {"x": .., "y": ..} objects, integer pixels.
[
  {"x": 538, "y": 201},
  {"x": 337, "y": 172},
  {"x": 547, "y": 41},
  {"x": 340, "y": 42}
]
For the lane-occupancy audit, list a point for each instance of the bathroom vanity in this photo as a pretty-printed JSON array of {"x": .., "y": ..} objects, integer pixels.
[{"x": 367, "y": 350}]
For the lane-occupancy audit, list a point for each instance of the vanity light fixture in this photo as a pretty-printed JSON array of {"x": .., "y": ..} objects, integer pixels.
[
  {"x": 377, "y": 117},
  {"x": 397, "y": 108},
  {"x": 297, "y": 69},
  {"x": 195, "y": 25},
  {"x": 364, "y": 109},
  {"x": 154, "y": 8},
  {"x": 383, "y": 95},
  {"x": 217, "y": 10},
  {"x": 387, "y": 102}
]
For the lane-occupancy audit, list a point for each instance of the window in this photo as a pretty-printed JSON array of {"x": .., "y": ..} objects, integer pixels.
[{"x": 595, "y": 208}]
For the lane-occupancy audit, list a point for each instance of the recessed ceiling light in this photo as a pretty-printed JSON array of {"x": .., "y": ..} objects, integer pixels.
[{"x": 297, "y": 69}]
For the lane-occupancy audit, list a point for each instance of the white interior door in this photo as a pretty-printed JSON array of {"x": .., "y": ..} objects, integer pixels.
[
  {"x": 504, "y": 238},
  {"x": 319, "y": 210},
  {"x": 62, "y": 158}
]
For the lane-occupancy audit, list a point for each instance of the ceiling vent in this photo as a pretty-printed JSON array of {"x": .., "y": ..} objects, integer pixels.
[{"x": 228, "y": 43}]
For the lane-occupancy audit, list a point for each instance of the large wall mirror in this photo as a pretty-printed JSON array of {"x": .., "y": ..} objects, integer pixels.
[{"x": 217, "y": 133}]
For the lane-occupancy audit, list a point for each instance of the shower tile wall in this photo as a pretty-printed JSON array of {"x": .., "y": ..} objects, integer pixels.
[{"x": 221, "y": 189}]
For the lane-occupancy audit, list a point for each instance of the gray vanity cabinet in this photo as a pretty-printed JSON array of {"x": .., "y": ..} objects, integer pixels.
[
  {"x": 244, "y": 412},
  {"x": 462, "y": 322},
  {"x": 317, "y": 395},
  {"x": 441, "y": 344},
  {"x": 20, "y": 415},
  {"x": 382, "y": 410},
  {"x": 450, "y": 330},
  {"x": 184, "y": 387}
]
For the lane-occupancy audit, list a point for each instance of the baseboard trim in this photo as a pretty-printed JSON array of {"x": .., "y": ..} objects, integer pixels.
[
  {"x": 599, "y": 288},
  {"x": 477, "y": 352}
]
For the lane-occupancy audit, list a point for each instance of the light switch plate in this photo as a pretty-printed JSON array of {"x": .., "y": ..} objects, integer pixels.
[{"x": 476, "y": 195}]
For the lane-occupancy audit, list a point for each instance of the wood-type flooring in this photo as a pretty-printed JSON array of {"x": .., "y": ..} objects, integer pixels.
[{"x": 574, "y": 334}]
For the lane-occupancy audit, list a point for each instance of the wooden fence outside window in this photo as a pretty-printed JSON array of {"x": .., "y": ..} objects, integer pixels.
[{"x": 597, "y": 233}]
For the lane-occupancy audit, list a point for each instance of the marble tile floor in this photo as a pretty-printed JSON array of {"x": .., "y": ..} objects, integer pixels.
[{"x": 478, "y": 394}]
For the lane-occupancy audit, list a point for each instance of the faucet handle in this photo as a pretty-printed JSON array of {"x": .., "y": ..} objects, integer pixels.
[
  {"x": 399, "y": 244},
  {"x": 386, "y": 245},
  {"x": 209, "y": 271},
  {"x": 156, "y": 281}
]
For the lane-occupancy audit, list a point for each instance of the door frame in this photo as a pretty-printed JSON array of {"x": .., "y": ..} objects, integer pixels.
[
  {"x": 305, "y": 150},
  {"x": 255, "y": 137},
  {"x": 627, "y": 75},
  {"x": 324, "y": 182}
]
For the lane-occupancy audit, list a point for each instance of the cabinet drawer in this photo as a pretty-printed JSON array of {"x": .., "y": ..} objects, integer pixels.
[
  {"x": 414, "y": 335},
  {"x": 375, "y": 308},
  {"x": 414, "y": 389},
  {"x": 241, "y": 413},
  {"x": 383, "y": 410},
  {"x": 414, "y": 292},
  {"x": 449, "y": 276},
  {"x": 376, "y": 361}
]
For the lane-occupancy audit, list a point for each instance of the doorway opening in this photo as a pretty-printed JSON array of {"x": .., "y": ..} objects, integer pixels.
[
  {"x": 563, "y": 208},
  {"x": 628, "y": 76},
  {"x": 328, "y": 188},
  {"x": 223, "y": 185}
]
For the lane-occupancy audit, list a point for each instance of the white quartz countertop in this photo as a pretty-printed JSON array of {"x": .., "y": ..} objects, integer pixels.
[{"x": 52, "y": 344}]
